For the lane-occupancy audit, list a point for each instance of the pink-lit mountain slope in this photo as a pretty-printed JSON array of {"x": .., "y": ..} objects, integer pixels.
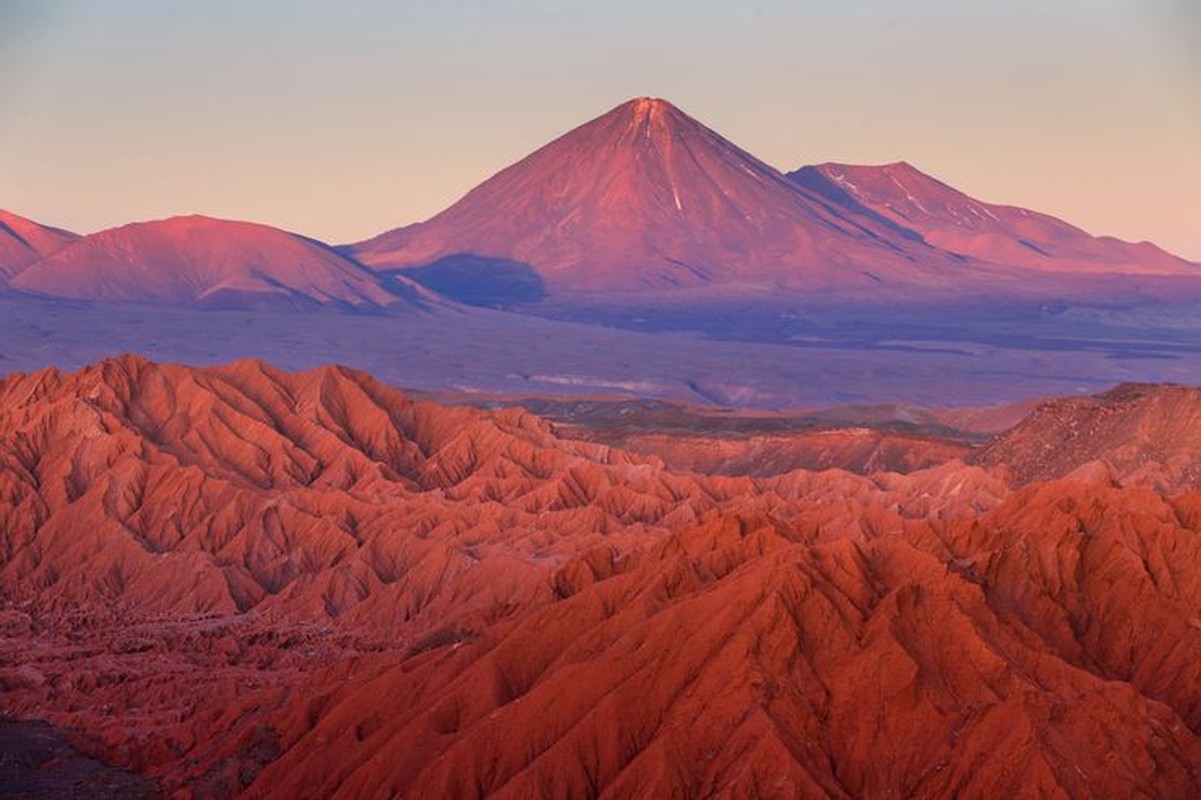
[
  {"x": 647, "y": 198},
  {"x": 198, "y": 260},
  {"x": 24, "y": 242},
  {"x": 951, "y": 220}
]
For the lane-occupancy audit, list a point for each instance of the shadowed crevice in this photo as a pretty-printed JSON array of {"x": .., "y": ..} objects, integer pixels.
[{"x": 480, "y": 280}]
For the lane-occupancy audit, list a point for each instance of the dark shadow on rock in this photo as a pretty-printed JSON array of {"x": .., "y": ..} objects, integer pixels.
[
  {"x": 38, "y": 760},
  {"x": 480, "y": 280}
]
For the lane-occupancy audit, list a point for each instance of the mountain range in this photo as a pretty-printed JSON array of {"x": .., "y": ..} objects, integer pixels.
[
  {"x": 24, "y": 242},
  {"x": 948, "y": 219},
  {"x": 198, "y": 260},
  {"x": 643, "y": 201},
  {"x": 646, "y": 199}
]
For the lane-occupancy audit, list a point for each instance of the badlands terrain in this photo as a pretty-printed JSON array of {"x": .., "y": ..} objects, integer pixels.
[{"x": 239, "y": 580}]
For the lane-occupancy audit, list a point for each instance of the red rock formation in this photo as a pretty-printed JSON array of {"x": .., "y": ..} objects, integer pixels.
[
  {"x": 746, "y": 656},
  {"x": 236, "y": 579},
  {"x": 272, "y": 489},
  {"x": 1134, "y": 434},
  {"x": 859, "y": 450}
]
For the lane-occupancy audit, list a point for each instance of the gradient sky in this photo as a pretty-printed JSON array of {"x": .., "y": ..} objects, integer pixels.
[{"x": 341, "y": 120}]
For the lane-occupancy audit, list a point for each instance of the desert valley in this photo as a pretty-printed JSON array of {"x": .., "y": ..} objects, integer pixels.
[{"x": 646, "y": 469}]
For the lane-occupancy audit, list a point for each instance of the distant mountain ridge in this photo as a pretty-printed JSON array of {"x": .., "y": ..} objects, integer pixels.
[
  {"x": 24, "y": 242},
  {"x": 646, "y": 199},
  {"x": 948, "y": 219},
  {"x": 642, "y": 202},
  {"x": 197, "y": 260}
]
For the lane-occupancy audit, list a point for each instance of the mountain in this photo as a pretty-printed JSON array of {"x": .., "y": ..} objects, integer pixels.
[
  {"x": 647, "y": 198},
  {"x": 951, "y": 220},
  {"x": 198, "y": 260},
  {"x": 24, "y": 242},
  {"x": 237, "y": 580}
]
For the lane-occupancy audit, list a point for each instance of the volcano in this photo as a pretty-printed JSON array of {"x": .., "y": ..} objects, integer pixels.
[
  {"x": 197, "y": 260},
  {"x": 951, "y": 220},
  {"x": 647, "y": 198},
  {"x": 24, "y": 242}
]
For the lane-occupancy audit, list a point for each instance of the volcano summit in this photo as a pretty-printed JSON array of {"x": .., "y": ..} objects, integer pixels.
[
  {"x": 646, "y": 198},
  {"x": 647, "y": 201}
]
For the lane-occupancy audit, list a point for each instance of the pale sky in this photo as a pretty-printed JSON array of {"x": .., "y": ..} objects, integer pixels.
[{"x": 344, "y": 119}]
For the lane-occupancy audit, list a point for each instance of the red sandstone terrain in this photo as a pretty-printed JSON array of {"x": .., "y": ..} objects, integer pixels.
[
  {"x": 859, "y": 439},
  {"x": 1135, "y": 434},
  {"x": 861, "y": 451},
  {"x": 236, "y": 580},
  {"x": 198, "y": 260}
]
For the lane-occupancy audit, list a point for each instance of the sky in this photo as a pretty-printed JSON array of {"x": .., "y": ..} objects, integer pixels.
[{"x": 344, "y": 119}]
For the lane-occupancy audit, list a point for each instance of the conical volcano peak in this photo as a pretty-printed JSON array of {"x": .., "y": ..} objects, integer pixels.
[
  {"x": 647, "y": 198},
  {"x": 649, "y": 117},
  {"x": 644, "y": 108}
]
